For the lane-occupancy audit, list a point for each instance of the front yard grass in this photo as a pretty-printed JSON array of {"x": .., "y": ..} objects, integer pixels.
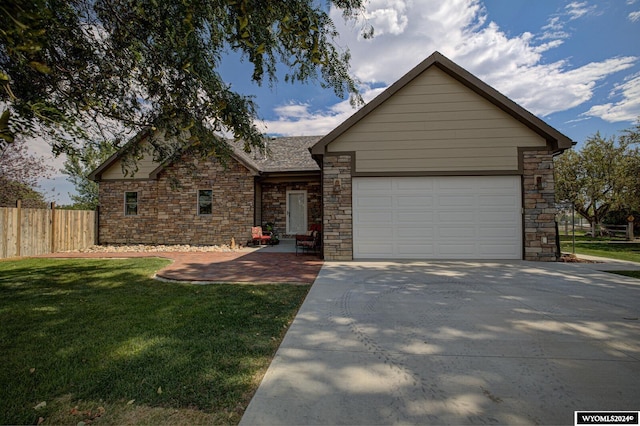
[
  {"x": 620, "y": 251},
  {"x": 99, "y": 341}
]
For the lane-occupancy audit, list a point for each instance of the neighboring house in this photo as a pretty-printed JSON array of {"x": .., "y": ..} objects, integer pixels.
[{"x": 439, "y": 166}]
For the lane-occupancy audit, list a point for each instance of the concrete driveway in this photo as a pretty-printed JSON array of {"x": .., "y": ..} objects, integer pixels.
[{"x": 456, "y": 343}]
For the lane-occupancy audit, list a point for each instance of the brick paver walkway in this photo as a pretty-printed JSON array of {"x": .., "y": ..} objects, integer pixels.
[{"x": 241, "y": 267}]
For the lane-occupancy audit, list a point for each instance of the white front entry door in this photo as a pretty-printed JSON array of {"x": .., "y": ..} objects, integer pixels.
[{"x": 296, "y": 212}]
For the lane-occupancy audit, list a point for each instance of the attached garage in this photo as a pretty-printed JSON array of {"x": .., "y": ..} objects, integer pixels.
[
  {"x": 439, "y": 166},
  {"x": 444, "y": 217}
]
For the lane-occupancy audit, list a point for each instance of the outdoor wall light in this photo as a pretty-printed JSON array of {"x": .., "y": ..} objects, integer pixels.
[{"x": 538, "y": 182}]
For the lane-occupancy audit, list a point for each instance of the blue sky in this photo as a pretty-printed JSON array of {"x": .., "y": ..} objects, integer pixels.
[{"x": 575, "y": 64}]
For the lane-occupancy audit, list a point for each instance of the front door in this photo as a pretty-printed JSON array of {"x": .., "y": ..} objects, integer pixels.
[{"x": 296, "y": 212}]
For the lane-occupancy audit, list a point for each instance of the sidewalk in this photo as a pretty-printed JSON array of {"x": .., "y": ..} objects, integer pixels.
[{"x": 607, "y": 264}]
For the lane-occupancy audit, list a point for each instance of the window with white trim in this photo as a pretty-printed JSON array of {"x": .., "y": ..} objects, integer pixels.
[
  {"x": 205, "y": 202},
  {"x": 130, "y": 203}
]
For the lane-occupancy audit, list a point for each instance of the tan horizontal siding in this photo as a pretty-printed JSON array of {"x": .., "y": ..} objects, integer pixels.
[
  {"x": 144, "y": 167},
  {"x": 512, "y": 129},
  {"x": 435, "y": 123},
  {"x": 442, "y": 164},
  {"x": 437, "y": 115},
  {"x": 440, "y": 142}
]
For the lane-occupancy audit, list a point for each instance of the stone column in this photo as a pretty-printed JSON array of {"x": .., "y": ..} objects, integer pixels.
[
  {"x": 539, "y": 206},
  {"x": 337, "y": 227}
]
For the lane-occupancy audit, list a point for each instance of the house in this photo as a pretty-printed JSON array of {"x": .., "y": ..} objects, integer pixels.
[
  {"x": 195, "y": 201},
  {"x": 438, "y": 166}
]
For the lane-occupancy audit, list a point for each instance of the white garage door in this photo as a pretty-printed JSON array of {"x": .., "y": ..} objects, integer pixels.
[{"x": 452, "y": 217}]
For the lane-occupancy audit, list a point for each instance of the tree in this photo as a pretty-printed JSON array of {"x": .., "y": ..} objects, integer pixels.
[
  {"x": 13, "y": 191},
  {"x": 78, "y": 166},
  {"x": 73, "y": 67},
  {"x": 601, "y": 177},
  {"x": 19, "y": 175}
]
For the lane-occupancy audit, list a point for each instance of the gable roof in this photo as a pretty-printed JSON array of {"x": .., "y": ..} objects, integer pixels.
[
  {"x": 558, "y": 141},
  {"x": 139, "y": 137},
  {"x": 284, "y": 154}
]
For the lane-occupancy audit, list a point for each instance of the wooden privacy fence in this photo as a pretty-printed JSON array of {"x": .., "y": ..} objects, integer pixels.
[{"x": 30, "y": 232}]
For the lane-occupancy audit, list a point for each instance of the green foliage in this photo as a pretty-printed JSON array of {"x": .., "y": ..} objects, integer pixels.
[
  {"x": 11, "y": 191},
  {"x": 70, "y": 67},
  {"x": 19, "y": 175},
  {"x": 602, "y": 177},
  {"x": 79, "y": 165},
  {"x": 101, "y": 333}
]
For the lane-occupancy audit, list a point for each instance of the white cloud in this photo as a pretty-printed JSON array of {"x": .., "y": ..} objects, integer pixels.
[
  {"x": 554, "y": 29},
  {"x": 387, "y": 16},
  {"x": 627, "y": 108},
  {"x": 461, "y": 30},
  {"x": 577, "y": 9},
  {"x": 634, "y": 16},
  {"x": 297, "y": 120}
]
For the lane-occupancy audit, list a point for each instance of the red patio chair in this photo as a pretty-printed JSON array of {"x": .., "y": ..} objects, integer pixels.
[{"x": 257, "y": 237}]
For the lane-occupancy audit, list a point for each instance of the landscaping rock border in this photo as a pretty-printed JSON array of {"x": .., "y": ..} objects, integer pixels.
[{"x": 144, "y": 248}]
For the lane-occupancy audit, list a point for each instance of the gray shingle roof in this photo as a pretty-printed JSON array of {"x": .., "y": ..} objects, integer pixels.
[{"x": 282, "y": 154}]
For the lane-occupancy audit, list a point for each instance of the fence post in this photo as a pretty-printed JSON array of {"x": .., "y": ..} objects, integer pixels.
[
  {"x": 630, "y": 235},
  {"x": 19, "y": 229},
  {"x": 53, "y": 227}
]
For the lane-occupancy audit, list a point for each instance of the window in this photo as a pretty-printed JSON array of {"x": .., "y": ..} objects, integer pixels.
[
  {"x": 205, "y": 201},
  {"x": 130, "y": 203}
]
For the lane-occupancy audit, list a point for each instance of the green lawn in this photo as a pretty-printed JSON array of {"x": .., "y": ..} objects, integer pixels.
[
  {"x": 99, "y": 341},
  {"x": 620, "y": 251}
]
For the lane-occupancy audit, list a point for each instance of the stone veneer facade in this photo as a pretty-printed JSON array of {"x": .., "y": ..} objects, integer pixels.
[
  {"x": 274, "y": 204},
  {"x": 538, "y": 203},
  {"x": 167, "y": 214},
  {"x": 538, "y": 198},
  {"x": 337, "y": 226}
]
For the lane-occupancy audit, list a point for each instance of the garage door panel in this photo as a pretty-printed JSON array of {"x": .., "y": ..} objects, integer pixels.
[
  {"x": 445, "y": 217},
  {"x": 414, "y": 251},
  {"x": 456, "y": 232},
  {"x": 373, "y": 233},
  {"x": 498, "y": 217},
  {"x": 380, "y": 250},
  {"x": 413, "y": 184},
  {"x": 454, "y": 184},
  {"x": 499, "y": 251},
  {"x": 497, "y": 200},
  {"x": 373, "y": 185},
  {"x": 375, "y": 201},
  {"x": 456, "y": 200},
  {"x": 415, "y": 233},
  {"x": 413, "y": 217},
  {"x": 498, "y": 232},
  {"x": 456, "y": 250},
  {"x": 457, "y": 216},
  {"x": 381, "y": 216},
  {"x": 413, "y": 201}
]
